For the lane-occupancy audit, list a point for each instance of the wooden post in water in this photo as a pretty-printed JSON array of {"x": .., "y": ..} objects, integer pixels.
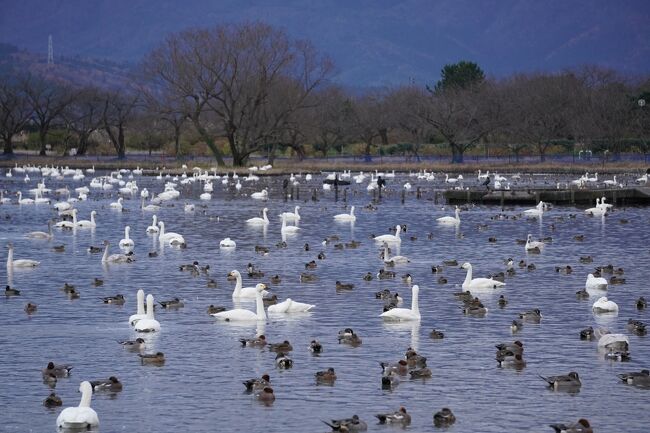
[
  {"x": 403, "y": 195},
  {"x": 502, "y": 199},
  {"x": 345, "y": 195},
  {"x": 573, "y": 196},
  {"x": 418, "y": 193},
  {"x": 469, "y": 196}
]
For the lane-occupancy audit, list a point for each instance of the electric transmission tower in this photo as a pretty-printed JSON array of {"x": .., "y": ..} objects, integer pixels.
[{"x": 50, "y": 51}]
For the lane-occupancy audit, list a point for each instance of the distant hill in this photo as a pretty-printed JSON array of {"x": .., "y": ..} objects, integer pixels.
[
  {"x": 70, "y": 70},
  {"x": 373, "y": 42}
]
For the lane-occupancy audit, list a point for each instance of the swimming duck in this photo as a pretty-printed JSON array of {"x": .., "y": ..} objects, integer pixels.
[
  {"x": 534, "y": 316},
  {"x": 191, "y": 267},
  {"x": 350, "y": 425},
  {"x": 112, "y": 384},
  {"x": 516, "y": 326},
  {"x": 564, "y": 269},
  {"x": 636, "y": 378},
  {"x": 616, "y": 280},
  {"x": 475, "y": 310},
  {"x": 367, "y": 277},
  {"x": 586, "y": 259},
  {"x": 261, "y": 250},
  {"x": 98, "y": 282},
  {"x": 587, "y": 334},
  {"x": 256, "y": 384},
  {"x": 285, "y": 346},
  {"x": 413, "y": 359},
  {"x": 502, "y": 301},
  {"x": 444, "y": 418},
  {"x": 252, "y": 272},
  {"x": 636, "y": 326},
  {"x": 641, "y": 303},
  {"x": 436, "y": 335},
  {"x": 436, "y": 269},
  {"x": 326, "y": 376},
  {"x": 276, "y": 279},
  {"x": 421, "y": 373},
  {"x": 311, "y": 265},
  {"x": 52, "y": 400},
  {"x": 398, "y": 417},
  {"x": 259, "y": 341},
  {"x": 315, "y": 347},
  {"x": 30, "y": 308},
  {"x": 531, "y": 267},
  {"x": 58, "y": 248},
  {"x": 307, "y": 278},
  {"x": 172, "y": 303},
  {"x": 283, "y": 361},
  {"x": 321, "y": 256},
  {"x": 133, "y": 345},
  {"x": 582, "y": 294},
  {"x": 270, "y": 300},
  {"x": 515, "y": 360},
  {"x": 157, "y": 358},
  {"x": 11, "y": 292},
  {"x": 400, "y": 367},
  {"x": 57, "y": 370},
  {"x": 116, "y": 300},
  {"x": 341, "y": 286},
  {"x": 352, "y": 244},
  {"x": 386, "y": 275},
  {"x": 582, "y": 426},
  {"x": 571, "y": 380},
  {"x": 347, "y": 336},
  {"x": 211, "y": 283}
]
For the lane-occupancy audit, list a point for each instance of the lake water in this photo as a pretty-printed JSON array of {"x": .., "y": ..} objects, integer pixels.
[{"x": 200, "y": 386}]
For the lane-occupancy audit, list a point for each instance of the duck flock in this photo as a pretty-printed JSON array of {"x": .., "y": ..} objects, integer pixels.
[{"x": 266, "y": 303}]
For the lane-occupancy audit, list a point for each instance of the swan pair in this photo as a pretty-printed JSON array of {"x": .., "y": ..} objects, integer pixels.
[
  {"x": 21, "y": 263},
  {"x": 346, "y": 216},
  {"x": 478, "y": 283},
  {"x": 391, "y": 238},
  {"x": 243, "y": 292},
  {"x": 81, "y": 417},
  {"x": 148, "y": 323},
  {"x": 599, "y": 210},
  {"x": 450, "y": 220},
  {"x": 140, "y": 313},
  {"x": 405, "y": 314},
  {"x": 242, "y": 315}
]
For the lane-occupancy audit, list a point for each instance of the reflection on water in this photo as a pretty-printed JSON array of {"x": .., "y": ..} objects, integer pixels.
[{"x": 200, "y": 384}]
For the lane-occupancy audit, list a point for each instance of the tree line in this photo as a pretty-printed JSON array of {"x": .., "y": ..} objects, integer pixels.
[{"x": 250, "y": 89}]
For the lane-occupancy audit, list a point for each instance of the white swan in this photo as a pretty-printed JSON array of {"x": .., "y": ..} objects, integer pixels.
[
  {"x": 117, "y": 205},
  {"x": 391, "y": 238},
  {"x": 82, "y": 417},
  {"x": 243, "y": 292},
  {"x": 22, "y": 263},
  {"x": 169, "y": 237},
  {"x": 150, "y": 207},
  {"x": 113, "y": 258},
  {"x": 291, "y": 216},
  {"x": 394, "y": 259},
  {"x": 605, "y": 205},
  {"x": 290, "y": 306},
  {"x": 599, "y": 210},
  {"x": 259, "y": 221},
  {"x": 140, "y": 314},
  {"x": 531, "y": 244},
  {"x": 42, "y": 235},
  {"x": 611, "y": 182},
  {"x": 227, "y": 243},
  {"x": 450, "y": 220},
  {"x": 68, "y": 224},
  {"x": 262, "y": 195},
  {"x": 22, "y": 200},
  {"x": 603, "y": 305},
  {"x": 478, "y": 283},
  {"x": 535, "y": 212},
  {"x": 149, "y": 323},
  {"x": 613, "y": 341},
  {"x": 597, "y": 283},
  {"x": 205, "y": 196},
  {"x": 153, "y": 228},
  {"x": 404, "y": 314},
  {"x": 86, "y": 223},
  {"x": 3, "y": 199},
  {"x": 288, "y": 229},
  {"x": 240, "y": 314},
  {"x": 127, "y": 242},
  {"x": 346, "y": 216}
]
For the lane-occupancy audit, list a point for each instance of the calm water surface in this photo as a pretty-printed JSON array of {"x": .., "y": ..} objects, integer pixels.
[{"x": 199, "y": 388}]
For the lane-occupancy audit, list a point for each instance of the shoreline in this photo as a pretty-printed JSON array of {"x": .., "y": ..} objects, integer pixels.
[{"x": 152, "y": 165}]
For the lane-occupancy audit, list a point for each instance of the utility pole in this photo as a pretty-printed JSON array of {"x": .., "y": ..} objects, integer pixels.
[{"x": 50, "y": 51}]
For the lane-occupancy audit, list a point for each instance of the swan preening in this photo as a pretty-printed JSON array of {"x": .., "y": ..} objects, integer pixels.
[
  {"x": 290, "y": 306},
  {"x": 478, "y": 283},
  {"x": 149, "y": 323},
  {"x": 260, "y": 221},
  {"x": 391, "y": 238},
  {"x": 21, "y": 263},
  {"x": 227, "y": 243},
  {"x": 450, "y": 220},
  {"x": 604, "y": 305},
  {"x": 405, "y": 314},
  {"x": 140, "y": 314},
  {"x": 82, "y": 417},
  {"x": 243, "y": 292},
  {"x": 346, "y": 216},
  {"x": 597, "y": 283},
  {"x": 242, "y": 315}
]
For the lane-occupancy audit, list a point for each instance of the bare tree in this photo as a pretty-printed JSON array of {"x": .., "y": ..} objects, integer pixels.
[
  {"x": 369, "y": 121},
  {"x": 117, "y": 109},
  {"x": 15, "y": 111},
  {"x": 226, "y": 75},
  {"x": 326, "y": 123},
  {"x": 83, "y": 116}
]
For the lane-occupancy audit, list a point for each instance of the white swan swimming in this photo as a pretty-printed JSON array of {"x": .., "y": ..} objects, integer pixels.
[
  {"x": 604, "y": 305},
  {"x": 599, "y": 210},
  {"x": 205, "y": 196},
  {"x": 42, "y": 235},
  {"x": 22, "y": 200},
  {"x": 404, "y": 314},
  {"x": 535, "y": 212},
  {"x": 88, "y": 224},
  {"x": 605, "y": 205},
  {"x": 68, "y": 224},
  {"x": 117, "y": 205},
  {"x": 478, "y": 283},
  {"x": 290, "y": 306},
  {"x": 259, "y": 221},
  {"x": 140, "y": 314},
  {"x": 531, "y": 244},
  {"x": 291, "y": 217},
  {"x": 149, "y": 323},
  {"x": 150, "y": 207},
  {"x": 227, "y": 243},
  {"x": 449, "y": 219},
  {"x": 597, "y": 283},
  {"x": 153, "y": 228},
  {"x": 611, "y": 182},
  {"x": 288, "y": 229},
  {"x": 81, "y": 417},
  {"x": 391, "y": 238},
  {"x": 346, "y": 216},
  {"x": 243, "y": 292},
  {"x": 113, "y": 258},
  {"x": 240, "y": 314},
  {"x": 21, "y": 263},
  {"x": 262, "y": 195},
  {"x": 394, "y": 259},
  {"x": 169, "y": 237},
  {"x": 127, "y": 242}
]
